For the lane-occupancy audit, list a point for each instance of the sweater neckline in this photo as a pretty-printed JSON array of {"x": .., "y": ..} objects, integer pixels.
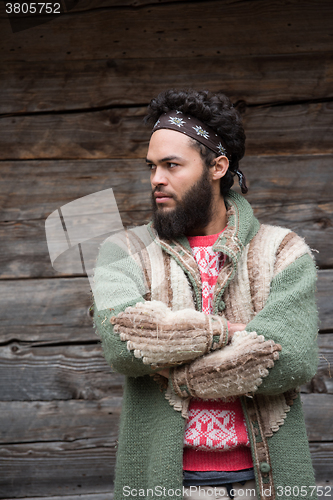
[{"x": 204, "y": 240}]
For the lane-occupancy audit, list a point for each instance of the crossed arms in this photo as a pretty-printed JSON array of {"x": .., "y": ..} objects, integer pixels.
[{"x": 275, "y": 352}]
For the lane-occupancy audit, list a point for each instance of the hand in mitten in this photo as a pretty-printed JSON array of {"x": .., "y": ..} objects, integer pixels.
[
  {"x": 163, "y": 337},
  {"x": 236, "y": 370}
]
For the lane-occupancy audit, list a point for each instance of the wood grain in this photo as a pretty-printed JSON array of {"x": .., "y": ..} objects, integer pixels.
[
  {"x": 318, "y": 413},
  {"x": 120, "y": 133},
  {"x": 31, "y": 309},
  {"x": 33, "y": 189},
  {"x": 52, "y": 310},
  {"x": 324, "y": 297},
  {"x": 38, "y": 421},
  {"x": 93, "y": 496},
  {"x": 25, "y": 253},
  {"x": 57, "y": 468},
  {"x": 80, "y": 372},
  {"x": 256, "y": 27},
  {"x": 68, "y": 372},
  {"x": 86, "y": 466},
  {"x": 294, "y": 192},
  {"x": 111, "y": 82}
]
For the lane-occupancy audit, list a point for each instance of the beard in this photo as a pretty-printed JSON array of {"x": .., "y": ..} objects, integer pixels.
[{"x": 192, "y": 212}]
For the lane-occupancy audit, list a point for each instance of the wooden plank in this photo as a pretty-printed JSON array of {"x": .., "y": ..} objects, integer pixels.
[
  {"x": 94, "y": 496},
  {"x": 86, "y": 466},
  {"x": 318, "y": 413},
  {"x": 120, "y": 133},
  {"x": 34, "y": 189},
  {"x": 111, "y": 82},
  {"x": 57, "y": 468},
  {"x": 25, "y": 254},
  {"x": 324, "y": 297},
  {"x": 67, "y": 371},
  {"x": 81, "y": 372},
  {"x": 191, "y": 31},
  {"x": 322, "y": 461},
  {"x": 282, "y": 190},
  {"x": 38, "y": 421},
  {"x": 52, "y": 310},
  {"x": 55, "y": 310}
]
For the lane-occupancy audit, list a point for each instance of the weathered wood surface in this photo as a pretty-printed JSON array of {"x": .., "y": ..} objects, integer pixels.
[
  {"x": 254, "y": 27},
  {"x": 80, "y": 447},
  {"x": 120, "y": 133},
  {"x": 294, "y": 192},
  {"x": 57, "y": 468},
  {"x": 34, "y": 189},
  {"x": 24, "y": 252},
  {"x": 52, "y": 311},
  {"x": 81, "y": 372},
  {"x": 318, "y": 413},
  {"x": 74, "y": 85},
  {"x": 67, "y": 371},
  {"x": 30, "y": 309},
  {"x": 38, "y": 421},
  {"x": 93, "y": 496},
  {"x": 322, "y": 460},
  {"x": 86, "y": 466}
]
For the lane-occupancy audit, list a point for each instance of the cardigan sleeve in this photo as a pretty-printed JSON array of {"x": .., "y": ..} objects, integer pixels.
[
  {"x": 277, "y": 352},
  {"x": 118, "y": 283}
]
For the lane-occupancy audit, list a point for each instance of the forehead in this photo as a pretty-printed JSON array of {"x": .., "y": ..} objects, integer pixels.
[{"x": 165, "y": 142}]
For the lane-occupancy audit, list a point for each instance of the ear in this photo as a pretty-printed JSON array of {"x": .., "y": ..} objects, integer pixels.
[{"x": 220, "y": 167}]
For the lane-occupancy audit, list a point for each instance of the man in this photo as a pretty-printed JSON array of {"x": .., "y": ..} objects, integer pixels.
[{"x": 214, "y": 334}]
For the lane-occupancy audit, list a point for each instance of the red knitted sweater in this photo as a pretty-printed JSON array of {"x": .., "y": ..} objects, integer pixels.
[{"x": 216, "y": 436}]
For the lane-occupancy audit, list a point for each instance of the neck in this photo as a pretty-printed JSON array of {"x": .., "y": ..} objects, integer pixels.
[{"x": 218, "y": 221}]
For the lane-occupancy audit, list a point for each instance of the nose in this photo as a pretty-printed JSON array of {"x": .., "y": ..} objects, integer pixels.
[{"x": 158, "y": 177}]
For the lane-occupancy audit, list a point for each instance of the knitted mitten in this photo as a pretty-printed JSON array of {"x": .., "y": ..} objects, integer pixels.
[
  {"x": 162, "y": 337},
  {"x": 236, "y": 370}
]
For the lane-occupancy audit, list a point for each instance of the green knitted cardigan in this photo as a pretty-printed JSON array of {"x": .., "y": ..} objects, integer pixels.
[{"x": 149, "y": 455}]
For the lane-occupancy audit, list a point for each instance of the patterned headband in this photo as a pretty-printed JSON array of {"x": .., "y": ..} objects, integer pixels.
[
  {"x": 196, "y": 129},
  {"x": 191, "y": 126}
]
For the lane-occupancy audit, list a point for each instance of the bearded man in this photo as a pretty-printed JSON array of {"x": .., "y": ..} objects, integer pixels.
[{"x": 216, "y": 332}]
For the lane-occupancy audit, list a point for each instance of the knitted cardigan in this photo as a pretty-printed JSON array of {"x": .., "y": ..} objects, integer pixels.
[{"x": 268, "y": 283}]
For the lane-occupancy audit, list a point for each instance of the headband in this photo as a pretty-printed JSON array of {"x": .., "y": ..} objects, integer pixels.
[{"x": 196, "y": 129}]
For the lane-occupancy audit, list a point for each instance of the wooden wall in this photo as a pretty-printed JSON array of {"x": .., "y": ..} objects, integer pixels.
[{"x": 73, "y": 94}]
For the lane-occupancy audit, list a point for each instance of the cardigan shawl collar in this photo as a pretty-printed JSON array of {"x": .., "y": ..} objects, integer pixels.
[{"x": 242, "y": 226}]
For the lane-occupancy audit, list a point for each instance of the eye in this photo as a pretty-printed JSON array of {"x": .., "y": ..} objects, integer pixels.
[
  {"x": 172, "y": 165},
  {"x": 151, "y": 166}
]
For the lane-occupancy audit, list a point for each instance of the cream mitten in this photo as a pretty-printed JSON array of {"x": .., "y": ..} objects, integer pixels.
[
  {"x": 236, "y": 370},
  {"x": 163, "y": 337}
]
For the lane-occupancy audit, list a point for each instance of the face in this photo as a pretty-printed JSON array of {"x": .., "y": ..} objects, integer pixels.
[{"x": 181, "y": 187}]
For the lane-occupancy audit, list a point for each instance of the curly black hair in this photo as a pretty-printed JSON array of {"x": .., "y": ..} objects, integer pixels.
[{"x": 216, "y": 111}]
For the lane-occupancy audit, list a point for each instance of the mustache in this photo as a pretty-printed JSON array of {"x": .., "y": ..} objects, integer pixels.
[{"x": 162, "y": 191}]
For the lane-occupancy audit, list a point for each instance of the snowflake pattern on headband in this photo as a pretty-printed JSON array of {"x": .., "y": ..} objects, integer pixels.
[
  {"x": 221, "y": 149},
  {"x": 200, "y": 131},
  {"x": 158, "y": 121},
  {"x": 176, "y": 121}
]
